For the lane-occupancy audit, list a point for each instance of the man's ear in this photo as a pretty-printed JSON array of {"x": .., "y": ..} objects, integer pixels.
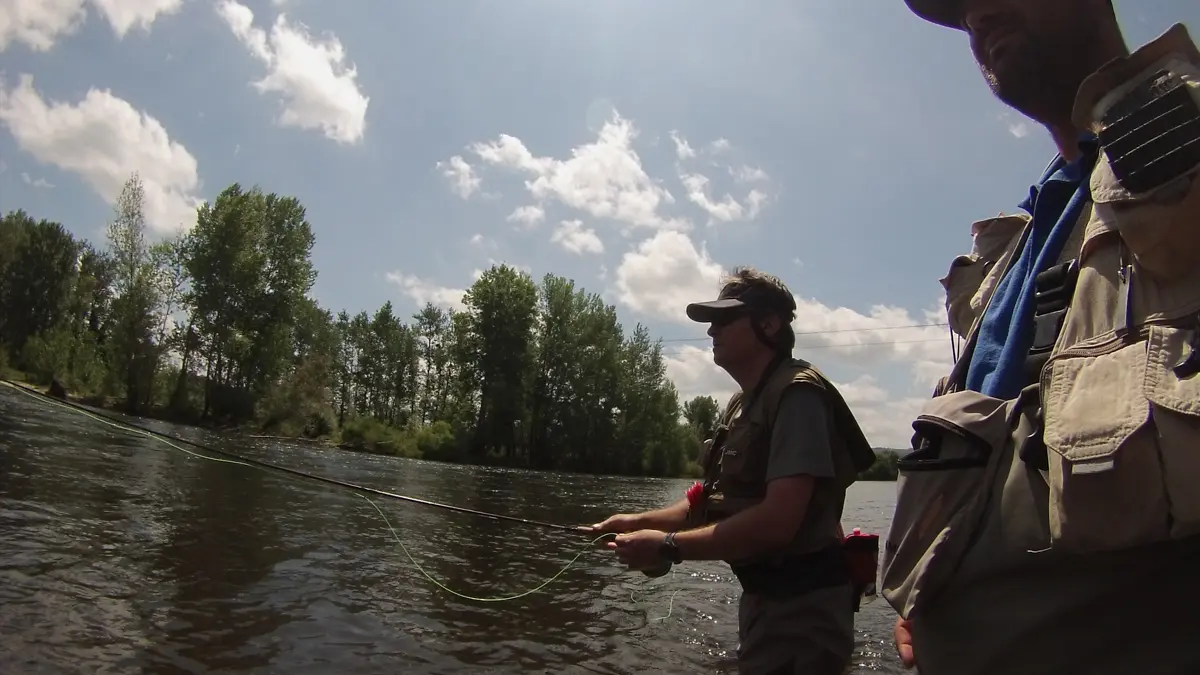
[{"x": 770, "y": 325}]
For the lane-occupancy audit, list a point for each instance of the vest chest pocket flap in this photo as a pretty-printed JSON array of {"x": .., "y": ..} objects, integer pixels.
[
  {"x": 1122, "y": 429},
  {"x": 941, "y": 494},
  {"x": 743, "y": 461}
]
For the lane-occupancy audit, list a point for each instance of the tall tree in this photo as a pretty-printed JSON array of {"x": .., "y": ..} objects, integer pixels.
[
  {"x": 137, "y": 297},
  {"x": 248, "y": 260},
  {"x": 502, "y": 304},
  {"x": 37, "y": 272},
  {"x": 432, "y": 333},
  {"x": 702, "y": 413}
]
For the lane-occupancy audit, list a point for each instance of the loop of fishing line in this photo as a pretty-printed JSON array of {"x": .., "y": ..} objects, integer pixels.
[{"x": 167, "y": 440}]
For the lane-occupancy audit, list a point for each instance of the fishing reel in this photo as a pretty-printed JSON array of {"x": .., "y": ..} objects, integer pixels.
[{"x": 661, "y": 570}]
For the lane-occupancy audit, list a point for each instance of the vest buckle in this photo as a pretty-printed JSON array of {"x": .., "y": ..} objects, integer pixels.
[{"x": 1053, "y": 290}]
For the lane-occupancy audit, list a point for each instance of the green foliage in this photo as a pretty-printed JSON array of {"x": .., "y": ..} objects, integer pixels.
[
  {"x": 884, "y": 468},
  {"x": 373, "y": 435},
  {"x": 216, "y": 326},
  {"x": 702, "y": 414},
  {"x": 37, "y": 261},
  {"x": 437, "y": 441}
]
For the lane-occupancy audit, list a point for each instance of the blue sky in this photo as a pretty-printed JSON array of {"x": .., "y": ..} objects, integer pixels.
[{"x": 636, "y": 147}]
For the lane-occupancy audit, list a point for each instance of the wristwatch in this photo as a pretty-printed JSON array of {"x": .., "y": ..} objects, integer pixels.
[{"x": 670, "y": 550}]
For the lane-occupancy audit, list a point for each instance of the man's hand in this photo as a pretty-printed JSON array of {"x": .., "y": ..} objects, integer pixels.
[
  {"x": 619, "y": 524},
  {"x": 670, "y": 518},
  {"x": 639, "y": 550},
  {"x": 902, "y": 635}
]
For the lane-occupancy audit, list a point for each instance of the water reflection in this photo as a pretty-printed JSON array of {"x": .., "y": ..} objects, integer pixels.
[
  {"x": 223, "y": 542},
  {"x": 126, "y": 555}
]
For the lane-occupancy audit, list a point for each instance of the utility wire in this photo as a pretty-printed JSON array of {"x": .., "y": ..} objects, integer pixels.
[
  {"x": 846, "y": 345},
  {"x": 832, "y": 331}
]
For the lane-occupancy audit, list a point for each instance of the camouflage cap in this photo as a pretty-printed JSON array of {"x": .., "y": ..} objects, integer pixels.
[{"x": 942, "y": 12}]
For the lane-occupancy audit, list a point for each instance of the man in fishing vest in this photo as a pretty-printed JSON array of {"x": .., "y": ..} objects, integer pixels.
[
  {"x": 1048, "y": 518},
  {"x": 776, "y": 474}
]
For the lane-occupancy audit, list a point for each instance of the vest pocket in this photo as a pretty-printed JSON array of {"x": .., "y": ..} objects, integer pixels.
[
  {"x": 1122, "y": 426},
  {"x": 737, "y": 454},
  {"x": 941, "y": 494}
]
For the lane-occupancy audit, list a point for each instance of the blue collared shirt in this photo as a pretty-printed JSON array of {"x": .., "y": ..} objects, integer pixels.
[{"x": 997, "y": 365}]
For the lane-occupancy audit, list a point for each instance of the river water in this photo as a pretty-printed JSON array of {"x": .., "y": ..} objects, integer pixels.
[{"x": 119, "y": 554}]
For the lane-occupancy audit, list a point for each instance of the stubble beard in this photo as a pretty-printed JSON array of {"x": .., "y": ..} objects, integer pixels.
[{"x": 1037, "y": 83}]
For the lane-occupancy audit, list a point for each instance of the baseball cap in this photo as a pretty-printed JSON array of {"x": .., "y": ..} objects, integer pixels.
[
  {"x": 942, "y": 12},
  {"x": 735, "y": 298}
]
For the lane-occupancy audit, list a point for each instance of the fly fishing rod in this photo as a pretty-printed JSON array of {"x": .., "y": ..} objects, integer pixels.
[{"x": 581, "y": 529}]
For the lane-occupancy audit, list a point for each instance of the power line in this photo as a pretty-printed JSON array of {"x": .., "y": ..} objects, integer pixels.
[
  {"x": 846, "y": 345},
  {"x": 831, "y": 331}
]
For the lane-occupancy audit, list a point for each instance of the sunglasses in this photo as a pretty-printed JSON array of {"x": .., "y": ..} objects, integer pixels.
[{"x": 725, "y": 319}]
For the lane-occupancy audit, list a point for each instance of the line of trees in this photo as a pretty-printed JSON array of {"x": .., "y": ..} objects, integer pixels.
[{"x": 216, "y": 326}]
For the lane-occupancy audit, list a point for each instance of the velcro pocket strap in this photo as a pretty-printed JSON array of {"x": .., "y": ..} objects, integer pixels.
[{"x": 942, "y": 492}]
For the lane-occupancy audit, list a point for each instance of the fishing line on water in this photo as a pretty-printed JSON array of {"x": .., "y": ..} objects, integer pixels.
[{"x": 231, "y": 458}]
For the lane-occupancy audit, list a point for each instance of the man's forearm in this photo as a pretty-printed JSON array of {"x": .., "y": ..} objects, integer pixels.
[
  {"x": 770, "y": 524},
  {"x": 740, "y": 536},
  {"x": 668, "y": 519}
]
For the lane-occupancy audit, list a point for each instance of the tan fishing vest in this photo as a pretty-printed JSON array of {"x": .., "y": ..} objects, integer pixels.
[
  {"x": 735, "y": 459},
  {"x": 1102, "y": 452}
]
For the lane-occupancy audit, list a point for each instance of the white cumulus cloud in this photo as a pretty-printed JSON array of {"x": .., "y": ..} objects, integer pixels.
[
  {"x": 422, "y": 291},
  {"x": 663, "y": 274},
  {"x": 748, "y": 174},
  {"x": 574, "y": 237},
  {"x": 126, "y": 15},
  {"x": 317, "y": 87},
  {"x": 727, "y": 209},
  {"x": 103, "y": 139},
  {"x": 40, "y": 183},
  {"x": 463, "y": 179},
  {"x": 699, "y": 187},
  {"x": 40, "y": 24},
  {"x": 604, "y": 178},
  {"x": 683, "y": 149},
  {"x": 529, "y": 215}
]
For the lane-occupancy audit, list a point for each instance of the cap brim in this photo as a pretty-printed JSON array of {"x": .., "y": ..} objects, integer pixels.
[
  {"x": 942, "y": 12},
  {"x": 705, "y": 312}
]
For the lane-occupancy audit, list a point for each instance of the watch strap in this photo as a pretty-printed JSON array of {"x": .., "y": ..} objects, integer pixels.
[{"x": 671, "y": 549}]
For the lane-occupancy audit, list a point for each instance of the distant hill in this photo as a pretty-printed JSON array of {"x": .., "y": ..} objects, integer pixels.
[{"x": 884, "y": 467}]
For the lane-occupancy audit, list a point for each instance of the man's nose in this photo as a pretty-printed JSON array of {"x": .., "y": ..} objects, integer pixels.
[{"x": 713, "y": 329}]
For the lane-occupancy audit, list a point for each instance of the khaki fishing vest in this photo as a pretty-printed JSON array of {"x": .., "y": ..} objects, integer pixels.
[
  {"x": 1101, "y": 453},
  {"x": 735, "y": 459}
]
